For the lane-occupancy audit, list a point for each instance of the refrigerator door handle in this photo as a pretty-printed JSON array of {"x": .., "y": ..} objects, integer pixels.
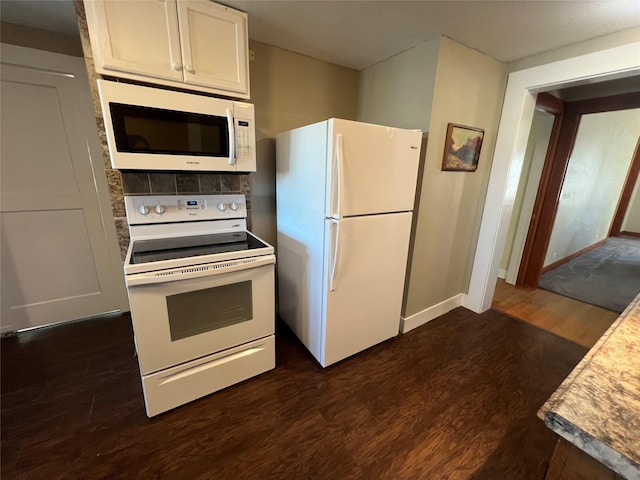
[
  {"x": 336, "y": 255},
  {"x": 338, "y": 165}
]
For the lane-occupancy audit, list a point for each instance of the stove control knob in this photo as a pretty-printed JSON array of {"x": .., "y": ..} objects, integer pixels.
[
  {"x": 222, "y": 206},
  {"x": 159, "y": 209},
  {"x": 143, "y": 209},
  {"x": 234, "y": 206}
]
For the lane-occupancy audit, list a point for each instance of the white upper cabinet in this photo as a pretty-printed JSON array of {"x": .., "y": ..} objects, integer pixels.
[
  {"x": 214, "y": 45},
  {"x": 194, "y": 44}
]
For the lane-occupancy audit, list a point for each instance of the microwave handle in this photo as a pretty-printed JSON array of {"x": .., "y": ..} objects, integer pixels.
[{"x": 232, "y": 138}]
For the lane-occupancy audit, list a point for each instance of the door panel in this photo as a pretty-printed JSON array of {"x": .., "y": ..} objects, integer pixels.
[
  {"x": 370, "y": 257},
  {"x": 57, "y": 262},
  {"x": 36, "y": 236},
  {"x": 28, "y": 173},
  {"x": 372, "y": 169}
]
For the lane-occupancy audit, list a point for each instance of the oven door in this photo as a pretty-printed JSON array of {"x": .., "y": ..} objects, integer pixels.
[{"x": 186, "y": 313}]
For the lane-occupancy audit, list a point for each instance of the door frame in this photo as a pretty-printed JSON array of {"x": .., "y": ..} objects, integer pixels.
[
  {"x": 627, "y": 192},
  {"x": 511, "y": 142},
  {"x": 552, "y": 179},
  {"x": 553, "y": 106},
  {"x": 66, "y": 64}
]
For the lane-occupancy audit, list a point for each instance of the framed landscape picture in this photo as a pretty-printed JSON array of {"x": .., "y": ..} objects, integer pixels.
[{"x": 462, "y": 148}]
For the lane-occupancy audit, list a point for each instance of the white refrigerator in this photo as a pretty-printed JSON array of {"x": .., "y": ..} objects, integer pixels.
[{"x": 345, "y": 193}]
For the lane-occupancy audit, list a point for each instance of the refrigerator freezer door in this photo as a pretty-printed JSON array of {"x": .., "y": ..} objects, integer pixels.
[
  {"x": 365, "y": 264},
  {"x": 371, "y": 169}
]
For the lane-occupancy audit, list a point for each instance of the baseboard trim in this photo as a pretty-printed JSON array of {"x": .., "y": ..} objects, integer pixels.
[
  {"x": 564, "y": 260},
  {"x": 428, "y": 314},
  {"x": 631, "y": 234},
  {"x": 502, "y": 273}
]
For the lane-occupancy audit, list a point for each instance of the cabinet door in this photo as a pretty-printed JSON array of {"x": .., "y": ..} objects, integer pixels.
[
  {"x": 214, "y": 46},
  {"x": 135, "y": 36}
]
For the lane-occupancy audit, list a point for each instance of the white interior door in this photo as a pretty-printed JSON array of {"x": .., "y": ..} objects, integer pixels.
[
  {"x": 372, "y": 169},
  {"x": 58, "y": 252},
  {"x": 366, "y": 264}
]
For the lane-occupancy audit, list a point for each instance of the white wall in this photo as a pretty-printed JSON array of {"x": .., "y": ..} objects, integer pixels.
[{"x": 593, "y": 182}]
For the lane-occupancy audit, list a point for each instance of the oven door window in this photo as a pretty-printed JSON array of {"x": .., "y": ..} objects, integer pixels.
[{"x": 200, "y": 311}]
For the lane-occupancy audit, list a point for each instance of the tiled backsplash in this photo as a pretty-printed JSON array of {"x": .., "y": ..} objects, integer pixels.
[
  {"x": 141, "y": 183},
  {"x": 179, "y": 183}
]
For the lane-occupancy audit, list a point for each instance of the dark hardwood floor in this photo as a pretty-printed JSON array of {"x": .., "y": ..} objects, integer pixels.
[{"x": 453, "y": 399}]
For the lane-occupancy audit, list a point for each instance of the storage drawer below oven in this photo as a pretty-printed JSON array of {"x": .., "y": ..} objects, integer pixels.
[{"x": 176, "y": 386}]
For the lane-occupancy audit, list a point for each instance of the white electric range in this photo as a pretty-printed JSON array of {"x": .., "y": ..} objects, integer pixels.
[{"x": 201, "y": 292}]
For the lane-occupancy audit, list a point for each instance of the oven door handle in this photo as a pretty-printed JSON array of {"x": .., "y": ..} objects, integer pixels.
[{"x": 197, "y": 271}]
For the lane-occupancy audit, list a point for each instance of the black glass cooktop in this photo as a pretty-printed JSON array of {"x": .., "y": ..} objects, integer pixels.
[{"x": 159, "y": 249}]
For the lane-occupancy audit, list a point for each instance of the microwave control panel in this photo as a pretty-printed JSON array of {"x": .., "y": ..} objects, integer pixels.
[
  {"x": 244, "y": 115},
  {"x": 244, "y": 131}
]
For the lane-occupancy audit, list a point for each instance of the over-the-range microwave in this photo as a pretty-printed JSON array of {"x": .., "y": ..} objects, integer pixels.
[{"x": 156, "y": 129}]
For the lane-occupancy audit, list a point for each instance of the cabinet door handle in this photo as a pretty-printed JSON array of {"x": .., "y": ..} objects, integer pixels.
[
  {"x": 190, "y": 69},
  {"x": 177, "y": 67}
]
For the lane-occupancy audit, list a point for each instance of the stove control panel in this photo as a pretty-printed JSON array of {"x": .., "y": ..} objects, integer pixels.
[
  {"x": 191, "y": 204},
  {"x": 150, "y": 209}
]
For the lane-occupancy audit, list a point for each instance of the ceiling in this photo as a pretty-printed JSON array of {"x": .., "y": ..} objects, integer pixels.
[{"x": 360, "y": 33}]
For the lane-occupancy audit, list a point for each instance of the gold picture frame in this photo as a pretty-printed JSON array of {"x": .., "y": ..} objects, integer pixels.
[{"x": 462, "y": 148}]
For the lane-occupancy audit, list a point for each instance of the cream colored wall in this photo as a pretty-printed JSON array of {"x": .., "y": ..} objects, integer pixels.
[
  {"x": 398, "y": 92},
  {"x": 467, "y": 89},
  {"x": 40, "y": 39},
  {"x": 290, "y": 90}
]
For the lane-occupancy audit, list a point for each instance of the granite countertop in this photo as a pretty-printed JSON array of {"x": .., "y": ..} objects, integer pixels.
[{"x": 597, "y": 407}]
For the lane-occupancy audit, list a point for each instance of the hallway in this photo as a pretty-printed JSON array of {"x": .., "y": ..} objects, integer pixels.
[{"x": 570, "y": 319}]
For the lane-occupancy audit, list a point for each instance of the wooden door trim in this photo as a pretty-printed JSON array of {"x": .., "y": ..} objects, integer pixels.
[
  {"x": 567, "y": 259},
  {"x": 552, "y": 178},
  {"x": 554, "y": 106},
  {"x": 627, "y": 191},
  {"x": 547, "y": 103},
  {"x": 536, "y": 214}
]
